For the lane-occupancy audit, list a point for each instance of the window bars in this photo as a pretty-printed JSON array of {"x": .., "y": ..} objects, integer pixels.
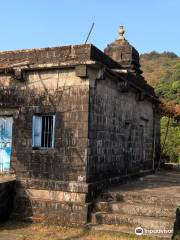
[{"x": 43, "y": 131}]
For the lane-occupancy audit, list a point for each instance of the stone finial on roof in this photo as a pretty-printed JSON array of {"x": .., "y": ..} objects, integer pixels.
[
  {"x": 121, "y": 33},
  {"x": 124, "y": 53}
]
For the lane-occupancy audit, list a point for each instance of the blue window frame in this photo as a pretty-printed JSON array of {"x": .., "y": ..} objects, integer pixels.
[{"x": 43, "y": 131}]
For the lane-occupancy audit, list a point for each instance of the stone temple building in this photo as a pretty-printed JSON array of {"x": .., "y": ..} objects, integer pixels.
[{"x": 74, "y": 120}]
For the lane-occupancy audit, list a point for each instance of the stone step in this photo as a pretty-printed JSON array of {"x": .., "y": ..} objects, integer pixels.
[
  {"x": 149, "y": 223},
  {"x": 161, "y": 179},
  {"x": 136, "y": 209},
  {"x": 142, "y": 210},
  {"x": 129, "y": 230},
  {"x": 162, "y": 200}
]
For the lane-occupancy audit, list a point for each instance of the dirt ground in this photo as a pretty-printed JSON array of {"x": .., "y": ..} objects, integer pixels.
[{"x": 28, "y": 231}]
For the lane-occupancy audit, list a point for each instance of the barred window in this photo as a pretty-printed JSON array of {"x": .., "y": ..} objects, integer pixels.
[{"x": 43, "y": 131}]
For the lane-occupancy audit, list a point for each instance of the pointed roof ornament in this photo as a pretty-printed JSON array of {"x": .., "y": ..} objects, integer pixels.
[
  {"x": 121, "y": 33},
  {"x": 124, "y": 53}
]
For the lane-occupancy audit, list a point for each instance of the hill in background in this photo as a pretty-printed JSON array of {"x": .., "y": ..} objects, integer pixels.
[{"x": 162, "y": 71}]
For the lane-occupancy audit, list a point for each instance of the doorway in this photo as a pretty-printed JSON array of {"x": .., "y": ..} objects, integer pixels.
[{"x": 5, "y": 143}]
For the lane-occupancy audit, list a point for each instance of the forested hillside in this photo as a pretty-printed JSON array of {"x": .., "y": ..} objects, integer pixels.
[{"x": 162, "y": 71}]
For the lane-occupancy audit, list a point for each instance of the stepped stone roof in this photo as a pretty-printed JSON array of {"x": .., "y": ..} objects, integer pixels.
[{"x": 71, "y": 55}]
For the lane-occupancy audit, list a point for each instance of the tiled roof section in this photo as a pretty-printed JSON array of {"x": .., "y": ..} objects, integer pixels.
[{"x": 65, "y": 54}]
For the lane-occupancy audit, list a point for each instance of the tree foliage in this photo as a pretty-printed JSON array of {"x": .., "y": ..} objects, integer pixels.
[
  {"x": 172, "y": 146},
  {"x": 162, "y": 70}
]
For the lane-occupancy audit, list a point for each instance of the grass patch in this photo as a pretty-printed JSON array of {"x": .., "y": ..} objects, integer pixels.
[{"x": 31, "y": 231}]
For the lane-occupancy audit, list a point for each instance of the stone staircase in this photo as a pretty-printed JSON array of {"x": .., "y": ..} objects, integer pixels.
[{"x": 149, "y": 202}]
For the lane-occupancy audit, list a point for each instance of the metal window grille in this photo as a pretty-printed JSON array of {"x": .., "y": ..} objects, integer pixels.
[{"x": 43, "y": 131}]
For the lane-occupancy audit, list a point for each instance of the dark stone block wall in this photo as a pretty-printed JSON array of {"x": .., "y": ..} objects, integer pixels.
[
  {"x": 101, "y": 135},
  {"x": 51, "y": 183},
  {"x": 120, "y": 133}
]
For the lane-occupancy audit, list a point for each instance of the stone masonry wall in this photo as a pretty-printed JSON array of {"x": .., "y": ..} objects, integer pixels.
[
  {"x": 50, "y": 183},
  {"x": 120, "y": 132},
  {"x": 101, "y": 135}
]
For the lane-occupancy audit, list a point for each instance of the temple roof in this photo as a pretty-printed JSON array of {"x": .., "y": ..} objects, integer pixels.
[{"x": 71, "y": 55}]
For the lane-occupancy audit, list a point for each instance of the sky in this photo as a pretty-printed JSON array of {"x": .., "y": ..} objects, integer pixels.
[{"x": 150, "y": 24}]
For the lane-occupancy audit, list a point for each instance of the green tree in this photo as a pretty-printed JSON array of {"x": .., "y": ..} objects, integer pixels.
[
  {"x": 172, "y": 144},
  {"x": 162, "y": 70}
]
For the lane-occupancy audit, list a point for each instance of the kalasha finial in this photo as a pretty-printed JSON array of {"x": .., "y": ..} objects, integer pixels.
[{"x": 121, "y": 33}]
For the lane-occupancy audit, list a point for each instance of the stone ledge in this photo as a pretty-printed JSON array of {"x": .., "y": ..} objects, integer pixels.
[
  {"x": 50, "y": 195},
  {"x": 77, "y": 187}
]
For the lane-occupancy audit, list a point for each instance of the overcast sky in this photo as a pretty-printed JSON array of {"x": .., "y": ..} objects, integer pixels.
[{"x": 150, "y": 24}]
